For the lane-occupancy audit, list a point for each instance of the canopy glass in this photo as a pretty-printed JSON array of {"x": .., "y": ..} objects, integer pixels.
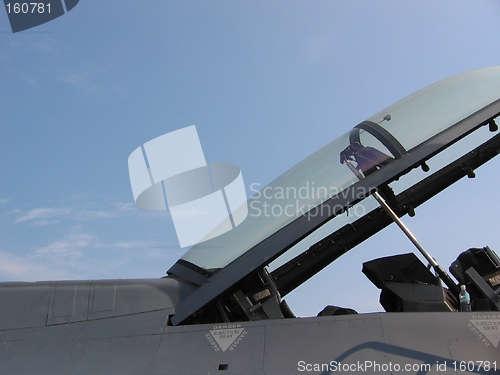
[{"x": 368, "y": 147}]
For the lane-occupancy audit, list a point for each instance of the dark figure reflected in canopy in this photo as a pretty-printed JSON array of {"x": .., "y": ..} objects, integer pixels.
[{"x": 367, "y": 159}]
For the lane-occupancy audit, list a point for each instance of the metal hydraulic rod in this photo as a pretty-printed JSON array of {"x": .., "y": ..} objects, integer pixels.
[{"x": 442, "y": 273}]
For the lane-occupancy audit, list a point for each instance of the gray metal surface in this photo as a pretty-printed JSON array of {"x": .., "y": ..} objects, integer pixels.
[
  {"x": 121, "y": 345},
  {"x": 142, "y": 344},
  {"x": 25, "y": 305},
  {"x": 204, "y": 349}
]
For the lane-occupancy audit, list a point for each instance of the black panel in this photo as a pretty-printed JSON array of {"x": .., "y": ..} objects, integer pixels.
[{"x": 404, "y": 268}]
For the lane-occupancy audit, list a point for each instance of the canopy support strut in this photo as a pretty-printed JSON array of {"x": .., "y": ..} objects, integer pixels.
[{"x": 440, "y": 271}]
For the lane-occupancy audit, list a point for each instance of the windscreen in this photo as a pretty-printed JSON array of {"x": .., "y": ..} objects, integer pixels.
[{"x": 324, "y": 174}]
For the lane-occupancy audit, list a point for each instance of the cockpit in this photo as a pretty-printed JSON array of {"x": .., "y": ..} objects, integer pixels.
[{"x": 244, "y": 273}]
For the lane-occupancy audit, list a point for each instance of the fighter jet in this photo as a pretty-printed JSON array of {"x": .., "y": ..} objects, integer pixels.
[{"x": 221, "y": 307}]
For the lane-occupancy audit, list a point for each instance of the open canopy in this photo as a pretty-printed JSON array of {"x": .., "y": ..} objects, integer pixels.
[{"x": 320, "y": 188}]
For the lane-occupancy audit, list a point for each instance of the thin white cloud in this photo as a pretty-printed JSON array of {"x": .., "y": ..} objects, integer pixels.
[
  {"x": 4, "y": 201},
  {"x": 120, "y": 206},
  {"x": 26, "y": 269},
  {"x": 5, "y": 58},
  {"x": 90, "y": 78},
  {"x": 77, "y": 256},
  {"x": 118, "y": 210},
  {"x": 64, "y": 258},
  {"x": 72, "y": 247},
  {"x": 43, "y": 223},
  {"x": 131, "y": 244},
  {"x": 48, "y": 46},
  {"x": 28, "y": 81},
  {"x": 44, "y": 213},
  {"x": 12, "y": 212},
  {"x": 51, "y": 215},
  {"x": 81, "y": 80},
  {"x": 92, "y": 214},
  {"x": 320, "y": 46}
]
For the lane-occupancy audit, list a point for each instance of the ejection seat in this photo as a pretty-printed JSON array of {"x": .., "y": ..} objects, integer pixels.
[{"x": 407, "y": 285}]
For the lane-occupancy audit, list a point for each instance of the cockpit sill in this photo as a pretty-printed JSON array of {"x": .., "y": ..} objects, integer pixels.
[{"x": 243, "y": 288}]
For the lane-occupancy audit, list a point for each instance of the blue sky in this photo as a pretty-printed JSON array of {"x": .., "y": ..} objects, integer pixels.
[{"x": 267, "y": 83}]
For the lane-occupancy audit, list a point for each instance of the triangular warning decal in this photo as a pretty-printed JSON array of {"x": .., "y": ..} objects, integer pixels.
[
  {"x": 490, "y": 329},
  {"x": 225, "y": 337}
]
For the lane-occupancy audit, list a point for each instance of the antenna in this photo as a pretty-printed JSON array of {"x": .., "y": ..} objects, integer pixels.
[{"x": 387, "y": 117}]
